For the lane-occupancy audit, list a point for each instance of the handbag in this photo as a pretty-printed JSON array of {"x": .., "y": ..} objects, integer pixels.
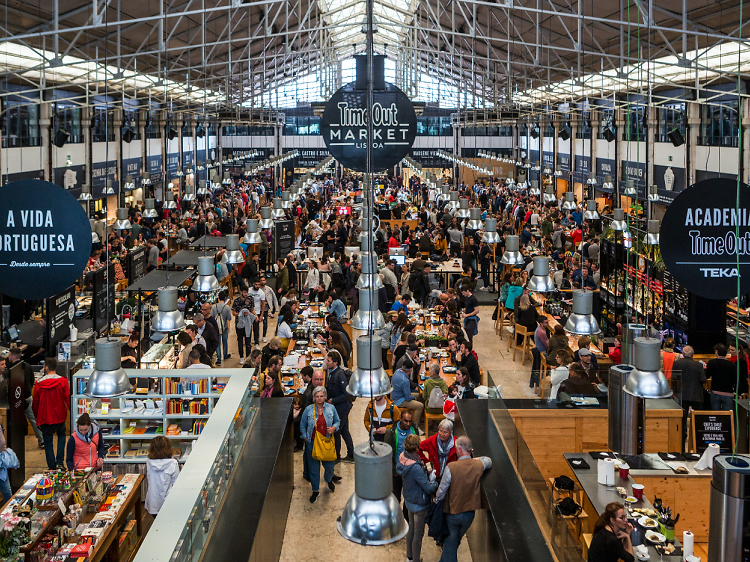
[{"x": 324, "y": 448}]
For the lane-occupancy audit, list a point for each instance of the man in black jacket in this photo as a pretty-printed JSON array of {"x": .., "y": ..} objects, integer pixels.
[
  {"x": 209, "y": 333},
  {"x": 292, "y": 271},
  {"x": 14, "y": 357},
  {"x": 339, "y": 398},
  {"x": 465, "y": 358},
  {"x": 421, "y": 285}
]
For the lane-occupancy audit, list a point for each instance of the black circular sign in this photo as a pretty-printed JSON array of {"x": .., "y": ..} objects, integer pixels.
[
  {"x": 700, "y": 235},
  {"x": 45, "y": 239},
  {"x": 344, "y": 127}
]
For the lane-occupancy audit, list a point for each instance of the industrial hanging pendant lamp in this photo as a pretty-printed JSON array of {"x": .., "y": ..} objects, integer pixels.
[
  {"x": 233, "y": 254},
  {"x": 108, "y": 378},
  {"x": 206, "y": 280},
  {"x": 582, "y": 322},
  {"x": 167, "y": 319}
]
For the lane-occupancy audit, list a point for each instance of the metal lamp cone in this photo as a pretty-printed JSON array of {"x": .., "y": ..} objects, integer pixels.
[
  {"x": 85, "y": 193},
  {"x": 475, "y": 220},
  {"x": 286, "y": 200},
  {"x": 569, "y": 204},
  {"x": 108, "y": 378},
  {"x": 549, "y": 196},
  {"x": 233, "y": 255},
  {"x": 278, "y": 210},
  {"x": 490, "y": 232},
  {"x": 202, "y": 189},
  {"x": 372, "y": 515},
  {"x": 189, "y": 193},
  {"x": 511, "y": 256},
  {"x": 590, "y": 214},
  {"x": 541, "y": 282},
  {"x": 167, "y": 318},
  {"x": 150, "y": 211},
  {"x": 369, "y": 378},
  {"x": 370, "y": 276},
  {"x": 647, "y": 380},
  {"x": 169, "y": 202},
  {"x": 534, "y": 188},
  {"x": 618, "y": 223},
  {"x": 266, "y": 221},
  {"x": 108, "y": 188},
  {"x": 94, "y": 235},
  {"x": 452, "y": 202},
  {"x": 252, "y": 236},
  {"x": 652, "y": 236},
  {"x": 206, "y": 281},
  {"x": 122, "y": 222},
  {"x": 582, "y": 322},
  {"x": 463, "y": 209},
  {"x": 630, "y": 190},
  {"x": 368, "y": 317}
]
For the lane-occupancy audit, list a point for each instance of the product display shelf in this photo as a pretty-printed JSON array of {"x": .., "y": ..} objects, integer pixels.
[{"x": 127, "y": 434}]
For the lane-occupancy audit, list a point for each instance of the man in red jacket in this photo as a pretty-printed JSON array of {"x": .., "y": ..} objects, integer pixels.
[{"x": 51, "y": 404}]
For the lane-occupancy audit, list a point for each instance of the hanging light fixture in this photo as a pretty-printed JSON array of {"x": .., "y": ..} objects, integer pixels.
[
  {"x": 549, "y": 196},
  {"x": 266, "y": 221},
  {"x": 511, "y": 256},
  {"x": 630, "y": 190},
  {"x": 169, "y": 202},
  {"x": 227, "y": 180},
  {"x": 490, "y": 231},
  {"x": 122, "y": 222},
  {"x": 569, "y": 204},
  {"x": 590, "y": 214},
  {"x": 167, "y": 319},
  {"x": 618, "y": 222},
  {"x": 129, "y": 183},
  {"x": 108, "y": 379},
  {"x": 286, "y": 200},
  {"x": 202, "y": 189},
  {"x": 85, "y": 193},
  {"x": 608, "y": 183},
  {"x": 647, "y": 380},
  {"x": 233, "y": 255},
  {"x": 534, "y": 190},
  {"x": 206, "y": 280},
  {"x": 189, "y": 194},
  {"x": 463, "y": 209},
  {"x": 108, "y": 190},
  {"x": 150, "y": 211},
  {"x": 582, "y": 322},
  {"x": 370, "y": 276},
  {"x": 541, "y": 282},
  {"x": 475, "y": 220},
  {"x": 252, "y": 236},
  {"x": 369, "y": 378},
  {"x": 368, "y": 317},
  {"x": 278, "y": 211},
  {"x": 652, "y": 236},
  {"x": 94, "y": 235},
  {"x": 452, "y": 203}
]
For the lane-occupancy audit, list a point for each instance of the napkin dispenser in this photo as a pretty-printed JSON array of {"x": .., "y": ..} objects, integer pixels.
[{"x": 606, "y": 472}]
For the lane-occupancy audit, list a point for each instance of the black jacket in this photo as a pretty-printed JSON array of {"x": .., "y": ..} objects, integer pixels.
[
  {"x": 266, "y": 353},
  {"x": 471, "y": 363},
  {"x": 606, "y": 547},
  {"x": 211, "y": 335},
  {"x": 337, "y": 394}
]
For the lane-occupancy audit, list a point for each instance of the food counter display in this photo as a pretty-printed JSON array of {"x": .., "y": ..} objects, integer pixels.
[{"x": 160, "y": 356}]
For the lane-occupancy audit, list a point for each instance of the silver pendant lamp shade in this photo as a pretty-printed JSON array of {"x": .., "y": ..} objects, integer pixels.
[
  {"x": 590, "y": 214},
  {"x": 278, "y": 210},
  {"x": 652, "y": 236},
  {"x": 535, "y": 191},
  {"x": 252, "y": 236},
  {"x": 490, "y": 232},
  {"x": 94, "y": 235},
  {"x": 369, "y": 378},
  {"x": 286, "y": 200},
  {"x": 202, "y": 189},
  {"x": 370, "y": 276},
  {"x": 630, "y": 190},
  {"x": 541, "y": 282},
  {"x": 511, "y": 256},
  {"x": 108, "y": 378},
  {"x": 226, "y": 180},
  {"x": 150, "y": 211},
  {"x": 108, "y": 190},
  {"x": 570, "y": 203},
  {"x": 266, "y": 221},
  {"x": 475, "y": 220},
  {"x": 369, "y": 226},
  {"x": 463, "y": 209},
  {"x": 169, "y": 202},
  {"x": 510, "y": 182},
  {"x": 618, "y": 223},
  {"x": 549, "y": 196},
  {"x": 647, "y": 380},
  {"x": 368, "y": 317},
  {"x": 189, "y": 193},
  {"x": 167, "y": 318},
  {"x": 582, "y": 322},
  {"x": 85, "y": 193},
  {"x": 122, "y": 222},
  {"x": 445, "y": 194},
  {"x": 206, "y": 281},
  {"x": 452, "y": 202},
  {"x": 372, "y": 516},
  {"x": 233, "y": 255}
]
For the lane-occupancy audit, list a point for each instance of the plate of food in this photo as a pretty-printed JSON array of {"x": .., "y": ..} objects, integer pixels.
[
  {"x": 289, "y": 391},
  {"x": 655, "y": 538},
  {"x": 447, "y": 369},
  {"x": 650, "y": 512},
  {"x": 631, "y": 499},
  {"x": 648, "y": 523},
  {"x": 665, "y": 549}
]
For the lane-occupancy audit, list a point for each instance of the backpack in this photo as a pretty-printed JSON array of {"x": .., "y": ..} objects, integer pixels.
[
  {"x": 436, "y": 399},
  {"x": 414, "y": 280},
  {"x": 220, "y": 321}
]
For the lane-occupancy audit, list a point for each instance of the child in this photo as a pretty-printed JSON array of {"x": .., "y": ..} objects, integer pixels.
[{"x": 162, "y": 470}]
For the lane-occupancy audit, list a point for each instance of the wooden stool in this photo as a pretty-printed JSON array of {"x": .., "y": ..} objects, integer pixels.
[
  {"x": 525, "y": 349},
  {"x": 585, "y": 544},
  {"x": 545, "y": 370},
  {"x": 500, "y": 322},
  {"x": 430, "y": 417}
]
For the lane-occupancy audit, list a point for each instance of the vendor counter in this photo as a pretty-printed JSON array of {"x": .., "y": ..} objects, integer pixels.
[{"x": 550, "y": 430}]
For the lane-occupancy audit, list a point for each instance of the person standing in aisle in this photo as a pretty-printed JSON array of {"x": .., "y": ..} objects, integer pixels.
[
  {"x": 470, "y": 316},
  {"x": 380, "y": 415},
  {"x": 462, "y": 478},
  {"x": 51, "y": 404},
  {"x": 396, "y": 437},
  {"x": 693, "y": 379},
  {"x": 243, "y": 305},
  {"x": 339, "y": 398},
  {"x": 209, "y": 333},
  {"x": 14, "y": 357},
  {"x": 259, "y": 300},
  {"x": 319, "y": 416},
  {"x": 222, "y": 312},
  {"x": 272, "y": 305},
  {"x": 162, "y": 470},
  {"x": 723, "y": 375}
]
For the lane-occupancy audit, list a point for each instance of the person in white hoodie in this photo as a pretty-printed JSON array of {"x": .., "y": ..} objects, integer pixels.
[
  {"x": 560, "y": 373},
  {"x": 162, "y": 471}
]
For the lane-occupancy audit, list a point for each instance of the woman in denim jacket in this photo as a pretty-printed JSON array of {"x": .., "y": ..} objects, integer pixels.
[{"x": 307, "y": 431}]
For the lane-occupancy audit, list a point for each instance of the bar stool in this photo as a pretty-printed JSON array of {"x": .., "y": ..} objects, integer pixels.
[
  {"x": 428, "y": 418},
  {"x": 500, "y": 322},
  {"x": 525, "y": 344}
]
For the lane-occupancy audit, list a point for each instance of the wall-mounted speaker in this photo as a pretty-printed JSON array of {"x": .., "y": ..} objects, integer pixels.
[
  {"x": 61, "y": 137},
  {"x": 128, "y": 135},
  {"x": 609, "y": 133},
  {"x": 676, "y": 137}
]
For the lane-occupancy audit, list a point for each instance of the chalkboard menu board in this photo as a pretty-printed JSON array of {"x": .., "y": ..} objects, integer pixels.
[
  {"x": 137, "y": 259},
  {"x": 101, "y": 315},
  {"x": 283, "y": 240},
  {"x": 712, "y": 427},
  {"x": 60, "y": 312}
]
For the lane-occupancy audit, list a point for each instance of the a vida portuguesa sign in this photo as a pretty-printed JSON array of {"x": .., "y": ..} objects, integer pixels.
[
  {"x": 344, "y": 127},
  {"x": 702, "y": 231},
  {"x": 45, "y": 239}
]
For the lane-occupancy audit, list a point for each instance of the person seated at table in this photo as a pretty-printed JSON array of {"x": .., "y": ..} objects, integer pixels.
[
  {"x": 335, "y": 306},
  {"x": 615, "y": 354},
  {"x": 462, "y": 388},
  {"x": 578, "y": 382},
  {"x": 412, "y": 353},
  {"x": 271, "y": 349},
  {"x": 514, "y": 291},
  {"x": 560, "y": 373},
  {"x": 270, "y": 381},
  {"x": 557, "y": 341},
  {"x": 434, "y": 384},
  {"x": 466, "y": 357},
  {"x": 440, "y": 448},
  {"x": 441, "y": 244},
  {"x": 402, "y": 304},
  {"x": 333, "y": 325},
  {"x": 404, "y": 395},
  {"x": 254, "y": 360},
  {"x": 284, "y": 330},
  {"x": 588, "y": 364},
  {"x": 611, "y": 540},
  {"x": 380, "y": 415},
  {"x": 425, "y": 245},
  {"x": 525, "y": 315}
]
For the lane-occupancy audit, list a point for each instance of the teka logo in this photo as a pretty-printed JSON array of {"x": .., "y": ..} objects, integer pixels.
[{"x": 719, "y": 272}]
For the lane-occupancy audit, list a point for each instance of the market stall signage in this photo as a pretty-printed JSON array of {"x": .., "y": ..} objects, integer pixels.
[
  {"x": 45, "y": 239},
  {"x": 345, "y": 123},
  {"x": 712, "y": 428},
  {"x": 701, "y": 234},
  {"x": 60, "y": 313}
]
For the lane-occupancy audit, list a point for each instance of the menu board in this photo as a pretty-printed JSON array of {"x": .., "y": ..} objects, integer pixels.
[
  {"x": 102, "y": 316},
  {"x": 61, "y": 310},
  {"x": 283, "y": 241},
  {"x": 712, "y": 427},
  {"x": 137, "y": 264}
]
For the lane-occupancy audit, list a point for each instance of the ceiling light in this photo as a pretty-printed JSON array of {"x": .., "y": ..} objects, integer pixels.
[
  {"x": 167, "y": 319},
  {"x": 490, "y": 231},
  {"x": 266, "y": 220},
  {"x": 646, "y": 380},
  {"x": 122, "y": 222},
  {"x": 569, "y": 204},
  {"x": 108, "y": 188},
  {"x": 85, "y": 193},
  {"x": 368, "y": 316},
  {"x": 618, "y": 222},
  {"x": 369, "y": 378},
  {"x": 582, "y": 322},
  {"x": 150, "y": 211},
  {"x": 252, "y": 236},
  {"x": 206, "y": 281},
  {"x": 541, "y": 282},
  {"x": 590, "y": 214},
  {"x": 108, "y": 378},
  {"x": 652, "y": 236},
  {"x": 233, "y": 255},
  {"x": 511, "y": 256}
]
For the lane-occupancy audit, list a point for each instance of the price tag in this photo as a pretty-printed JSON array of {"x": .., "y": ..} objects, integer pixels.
[{"x": 62, "y": 507}]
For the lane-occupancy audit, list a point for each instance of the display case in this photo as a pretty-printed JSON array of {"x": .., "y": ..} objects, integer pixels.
[{"x": 159, "y": 356}]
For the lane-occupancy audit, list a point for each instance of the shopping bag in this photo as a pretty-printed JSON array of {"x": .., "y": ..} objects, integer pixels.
[{"x": 324, "y": 448}]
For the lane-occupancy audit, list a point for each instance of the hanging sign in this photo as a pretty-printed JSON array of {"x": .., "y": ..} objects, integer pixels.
[
  {"x": 45, "y": 239},
  {"x": 344, "y": 127},
  {"x": 701, "y": 234}
]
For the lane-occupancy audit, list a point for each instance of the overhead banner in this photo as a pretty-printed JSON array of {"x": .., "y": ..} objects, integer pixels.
[
  {"x": 345, "y": 123},
  {"x": 701, "y": 234},
  {"x": 45, "y": 239}
]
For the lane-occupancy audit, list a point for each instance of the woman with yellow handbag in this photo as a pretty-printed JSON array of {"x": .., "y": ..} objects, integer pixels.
[{"x": 319, "y": 421}]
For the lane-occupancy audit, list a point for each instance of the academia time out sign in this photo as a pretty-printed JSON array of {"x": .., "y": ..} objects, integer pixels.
[
  {"x": 701, "y": 234},
  {"x": 344, "y": 127},
  {"x": 45, "y": 239}
]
